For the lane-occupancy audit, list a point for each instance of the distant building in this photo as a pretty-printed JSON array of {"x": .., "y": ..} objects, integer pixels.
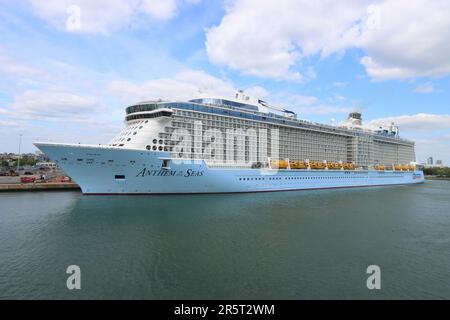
[{"x": 434, "y": 164}]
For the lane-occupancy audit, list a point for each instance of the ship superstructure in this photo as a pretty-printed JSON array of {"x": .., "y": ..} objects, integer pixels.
[{"x": 151, "y": 125}]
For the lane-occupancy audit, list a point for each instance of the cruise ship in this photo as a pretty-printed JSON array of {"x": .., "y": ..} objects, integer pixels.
[{"x": 230, "y": 145}]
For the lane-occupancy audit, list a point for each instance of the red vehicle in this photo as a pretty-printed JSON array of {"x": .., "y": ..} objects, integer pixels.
[{"x": 27, "y": 179}]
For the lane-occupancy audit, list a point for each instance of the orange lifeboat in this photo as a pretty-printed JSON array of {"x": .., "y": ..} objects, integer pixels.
[
  {"x": 405, "y": 167},
  {"x": 334, "y": 165},
  {"x": 278, "y": 164},
  {"x": 317, "y": 165},
  {"x": 349, "y": 166},
  {"x": 298, "y": 165},
  {"x": 294, "y": 164},
  {"x": 303, "y": 165}
]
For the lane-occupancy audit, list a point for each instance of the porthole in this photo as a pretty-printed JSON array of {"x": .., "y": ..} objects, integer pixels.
[
  {"x": 154, "y": 147},
  {"x": 128, "y": 139},
  {"x": 155, "y": 141},
  {"x": 160, "y": 148},
  {"x": 148, "y": 147},
  {"x": 134, "y": 133},
  {"x": 140, "y": 127},
  {"x": 160, "y": 141},
  {"x": 146, "y": 121}
]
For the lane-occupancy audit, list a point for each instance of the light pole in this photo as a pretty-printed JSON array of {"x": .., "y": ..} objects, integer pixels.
[{"x": 18, "y": 158}]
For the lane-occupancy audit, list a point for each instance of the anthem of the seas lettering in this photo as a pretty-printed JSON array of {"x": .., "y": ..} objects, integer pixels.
[{"x": 239, "y": 144}]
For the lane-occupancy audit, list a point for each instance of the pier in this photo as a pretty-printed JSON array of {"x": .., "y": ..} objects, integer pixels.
[{"x": 48, "y": 186}]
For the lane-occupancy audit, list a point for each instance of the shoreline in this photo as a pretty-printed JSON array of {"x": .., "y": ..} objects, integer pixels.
[
  {"x": 437, "y": 178},
  {"x": 48, "y": 186}
]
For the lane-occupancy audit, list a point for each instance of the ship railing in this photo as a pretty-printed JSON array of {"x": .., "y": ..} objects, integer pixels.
[{"x": 304, "y": 123}]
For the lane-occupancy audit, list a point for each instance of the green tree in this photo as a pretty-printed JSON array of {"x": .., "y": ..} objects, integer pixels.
[
  {"x": 440, "y": 172},
  {"x": 26, "y": 161}
]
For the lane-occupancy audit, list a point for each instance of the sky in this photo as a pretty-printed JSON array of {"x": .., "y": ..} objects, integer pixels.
[{"x": 68, "y": 68}]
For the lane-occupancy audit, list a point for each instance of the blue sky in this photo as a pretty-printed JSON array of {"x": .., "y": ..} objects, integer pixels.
[{"x": 67, "y": 77}]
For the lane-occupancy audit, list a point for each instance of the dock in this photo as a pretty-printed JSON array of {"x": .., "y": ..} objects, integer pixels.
[
  {"x": 48, "y": 186},
  {"x": 437, "y": 178}
]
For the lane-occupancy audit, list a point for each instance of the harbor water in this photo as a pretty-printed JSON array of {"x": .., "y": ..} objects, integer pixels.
[{"x": 281, "y": 245}]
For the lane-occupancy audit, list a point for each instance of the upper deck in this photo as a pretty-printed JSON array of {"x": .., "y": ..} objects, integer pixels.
[{"x": 252, "y": 112}]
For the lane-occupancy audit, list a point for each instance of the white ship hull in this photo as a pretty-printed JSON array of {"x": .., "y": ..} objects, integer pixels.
[{"x": 110, "y": 170}]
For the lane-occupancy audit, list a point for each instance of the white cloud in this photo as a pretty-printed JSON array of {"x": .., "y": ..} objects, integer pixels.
[
  {"x": 266, "y": 38},
  {"x": 425, "y": 88},
  {"x": 161, "y": 10},
  {"x": 411, "y": 44},
  {"x": 7, "y": 124},
  {"x": 103, "y": 16},
  {"x": 377, "y": 71},
  {"x": 310, "y": 105},
  {"x": 11, "y": 67},
  {"x": 257, "y": 92},
  {"x": 48, "y": 105},
  {"x": 189, "y": 84},
  {"x": 300, "y": 100},
  {"x": 421, "y": 122},
  {"x": 55, "y": 115},
  {"x": 275, "y": 38},
  {"x": 100, "y": 16},
  {"x": 184, "y": 85}
]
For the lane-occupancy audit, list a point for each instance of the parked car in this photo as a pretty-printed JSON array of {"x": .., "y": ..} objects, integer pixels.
[{"x": 27, "y": 179}]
